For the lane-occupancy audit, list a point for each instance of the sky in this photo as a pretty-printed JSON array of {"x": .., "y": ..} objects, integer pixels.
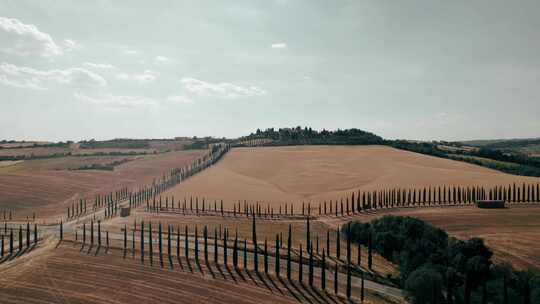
[{"x": 433, "y": 69}]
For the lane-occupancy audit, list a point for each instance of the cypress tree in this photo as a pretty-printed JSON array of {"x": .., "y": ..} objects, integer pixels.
[
  {"x": 225, "y": 248},
  {"x": 186, "y": 243},
  {"x": 277, "y": 256},
  {"x": 310, "y": 265},
  {"x": 301, "y": 266},
  {"x": 27, "y": 235},
  {"x": 196, "y": 244},
  {"x": 142, "y": 240},
  {"x": 235, "y": 250},
  {"x": 289, "y": 253},
  {"x": 265, "y": 256},
  {"x": 133, "y": 241},
  {"x": 362, "y": 288},
  {"x": 215, "y": 245},
  {"x": 178, "y": 241},
  {"x": 323, "y": 271},
  {"x": 205, "y": 234},
  {"x": 349, "y": 261},
  {"x": 20, "y": 238},
  {"x": 11, "y": 241},
  {"x": 255, "y": 251},
  {"x": 99, "y": 233},
  {"x": 370, "y": 253},
  {"x": 308, "y": 233},
  {"x": 125, "y": 240},
  {"x": 338, "y": 243},
  {"x": 336, "y": 278},
  {"x": 160, "y": 244},
  {"x": 61, "y": 231},
  {"x": 35, "y": 235},
  {"x": 150, "y": 247}
]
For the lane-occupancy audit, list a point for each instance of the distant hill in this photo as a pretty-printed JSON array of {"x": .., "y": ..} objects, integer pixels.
[{"x": 308, "y": 136}]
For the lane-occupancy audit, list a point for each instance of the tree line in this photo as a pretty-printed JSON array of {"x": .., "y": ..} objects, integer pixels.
[
  {"x": 155, "y": 243},
  {"x": 357, "y": 201}
]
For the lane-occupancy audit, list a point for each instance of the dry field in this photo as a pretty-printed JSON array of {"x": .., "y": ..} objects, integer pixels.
[
  {"x": 277, "y": 175},
  {"x": 65, "y": 273},
  {"x": 513, "y": 233},
  {"x": 35, "y": 185}
]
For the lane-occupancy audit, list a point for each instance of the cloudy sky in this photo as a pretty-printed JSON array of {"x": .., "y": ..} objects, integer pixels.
[{"x": 402, "y": 69}]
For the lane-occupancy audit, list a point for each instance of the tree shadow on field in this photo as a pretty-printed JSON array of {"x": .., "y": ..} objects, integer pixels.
[
  {"x": 197, "y": 262},
  {"x": 231, "y": 273},
  {"x": 288, "y": 289},
  {"x": 209, "y": 267},
  {"x": 310, "y": 291},
  {"x": 321, "y": 295},
  {"x": 171, "y": 264},
  {"x": 264, "y": 281},
  {"x": 220, "y": 270},
  {"x": 274, "y": 284},
  {"x": 251, "y": 277},
  {"x": 239, "y": 273},
  {"x": 188, "y": 263},
  {"x": 299, "y": 291},
  {"x": 180, "y": 262}
]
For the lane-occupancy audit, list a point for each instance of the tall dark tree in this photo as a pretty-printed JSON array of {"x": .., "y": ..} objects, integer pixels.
[
  {"x": 277, "y": 256},
  {"x": 362, "y": 288},
  {"x": 215, "y": 246},
  {"x": 336, "y": 278},
  {"x": 300, "y": 265},
  {"x": 289, "y": 240},
  {"x": 235, "y": 249},
  {"x": 186, "y": 243},
  {"x": 265, "y": 256},
  {"x": 150, "y": 247},
  {"x": 310, "y": 269},
  {"x": 338, "y": 244},
  {"x": 255, "y": 251},
  {"x": 142, "y": 239},
  {"x": 323, "y": 269},
  {"x": 370, "y": 251}
]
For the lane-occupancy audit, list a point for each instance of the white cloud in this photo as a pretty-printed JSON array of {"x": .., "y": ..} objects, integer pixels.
[
  {"x": 222, "y": 89},
  {"x": 99, "y": 66},
  {"x": 279, "y": 45},
  {"x": 69, "y": 45},
  {"x": 179, "y": 99},
  {"x": 26, "y": 39},
  {"x": 25, "y": 77},
  {"x": 144, "y": 77},
  {"x": 162, "y": 59},
  {"x": 117, "y": 101}
]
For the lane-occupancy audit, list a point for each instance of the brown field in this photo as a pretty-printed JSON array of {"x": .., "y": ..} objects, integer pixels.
[
  {"x": 38, "y": 187},
  {"x": 513, "y": 233},
  {"x": 276, "y": 175},
  {"x": 63, "y": 273}
]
